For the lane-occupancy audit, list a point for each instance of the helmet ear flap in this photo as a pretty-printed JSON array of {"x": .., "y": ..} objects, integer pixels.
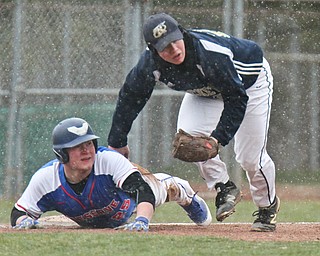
[{"x": 61, "y": 155}]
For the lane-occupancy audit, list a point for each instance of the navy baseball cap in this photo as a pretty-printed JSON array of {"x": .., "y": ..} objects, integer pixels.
[{"x": 160, "y": 30}]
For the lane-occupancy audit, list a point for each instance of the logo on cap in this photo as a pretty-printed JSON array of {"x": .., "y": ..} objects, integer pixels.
[
  {"x": 79, "y": 131},
  {"x": 159, "y": 30}
]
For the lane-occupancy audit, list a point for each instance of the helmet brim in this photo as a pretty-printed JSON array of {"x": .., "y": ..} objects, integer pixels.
[{"x": 78, "y": 141}]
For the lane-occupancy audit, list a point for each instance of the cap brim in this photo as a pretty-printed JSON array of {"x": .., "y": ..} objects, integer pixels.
[{"x": 167, "y": 39}]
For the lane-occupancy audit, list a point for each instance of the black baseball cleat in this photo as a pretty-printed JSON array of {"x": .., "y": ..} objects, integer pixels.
[
  {"x": 228, "y": 195},
  {"x": 266, "y": 217}
]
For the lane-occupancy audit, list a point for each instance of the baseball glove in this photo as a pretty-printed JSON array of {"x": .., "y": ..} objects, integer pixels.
[{"x": 190, "y": 148}]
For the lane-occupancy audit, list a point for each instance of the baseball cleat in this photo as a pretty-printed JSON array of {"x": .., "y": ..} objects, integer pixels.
[
  {"x": 228, "y": 195},
  {"x": 266, "y": 217},
  {"x": 198, "y": 211}
]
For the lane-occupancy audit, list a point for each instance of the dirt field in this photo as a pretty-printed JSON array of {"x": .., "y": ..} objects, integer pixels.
[
  {"x": 236, "y": 231},
  {"x": 240, "y": 231}
]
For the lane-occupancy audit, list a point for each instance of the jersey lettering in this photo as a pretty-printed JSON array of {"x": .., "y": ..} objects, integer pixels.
[
  {"x": 118, "y": 216},
  {"x": 114, "y": 204},
  {"x": 203, "y": 92},
  {"x": 99, "y": 212},
  {"x": 125, "y": 205}
]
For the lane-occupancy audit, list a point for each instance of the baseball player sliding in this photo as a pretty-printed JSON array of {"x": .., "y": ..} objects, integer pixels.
[
  {"x": 99, "y": 188},
  {"x": 228, "y": 85}
]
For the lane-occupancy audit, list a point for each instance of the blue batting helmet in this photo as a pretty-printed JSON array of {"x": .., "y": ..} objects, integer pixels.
[{"x": 70, "y": 133}]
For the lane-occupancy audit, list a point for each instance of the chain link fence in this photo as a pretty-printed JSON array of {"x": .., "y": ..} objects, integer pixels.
[{"x": 69, "y": 58}]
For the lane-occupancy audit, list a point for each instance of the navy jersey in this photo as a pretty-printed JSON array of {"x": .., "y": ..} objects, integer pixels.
[
  {"x": 215, "y": 64},
  {"x": 102, "y": 203}
]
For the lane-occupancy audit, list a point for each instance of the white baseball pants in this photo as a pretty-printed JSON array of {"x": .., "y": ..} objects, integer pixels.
[
  {"x": 166, "y": 187},
  {"x": 199, "y": 116}
]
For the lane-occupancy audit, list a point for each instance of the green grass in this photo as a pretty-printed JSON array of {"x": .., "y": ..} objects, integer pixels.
[
  {"x": 298, "y": 177},
  {"x": 64, "y": 243},
  {"x": 290, "y": 211},
  {"x": 71, "y": 243},
  {"x": 5, "y": 210}
]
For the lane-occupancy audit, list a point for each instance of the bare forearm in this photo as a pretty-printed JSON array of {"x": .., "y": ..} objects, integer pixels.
[{"x": 145, "y": 209}]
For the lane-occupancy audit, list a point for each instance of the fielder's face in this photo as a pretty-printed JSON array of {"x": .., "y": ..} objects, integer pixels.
[
  {"x": 174, "y": 53},
  {"x": 81, "y": 157}
]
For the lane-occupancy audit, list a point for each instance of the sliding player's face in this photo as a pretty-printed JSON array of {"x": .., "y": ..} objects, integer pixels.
[{"x": 81, "y": 157}]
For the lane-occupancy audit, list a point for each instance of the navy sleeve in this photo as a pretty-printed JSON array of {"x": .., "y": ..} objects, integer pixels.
[
  {"x": 232, "y": 89},
  {"x": 231, "y": 118},
  {"x": 133, "y": 96}
]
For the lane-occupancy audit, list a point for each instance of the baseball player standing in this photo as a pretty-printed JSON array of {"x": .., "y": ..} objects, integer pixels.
[
  {"x": 99, "y": 188},
  {"x": 228, "y": 85}
]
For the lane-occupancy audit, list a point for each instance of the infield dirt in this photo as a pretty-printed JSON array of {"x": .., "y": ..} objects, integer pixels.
[{"x": 237, "y": 231}]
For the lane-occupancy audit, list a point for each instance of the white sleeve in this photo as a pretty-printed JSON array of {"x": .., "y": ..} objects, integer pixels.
[
  {"x": 114, "y": 164},
  {"x": 42, "y": 182}
]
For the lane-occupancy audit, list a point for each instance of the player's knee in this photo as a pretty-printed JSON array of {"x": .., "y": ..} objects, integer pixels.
[
  {"x": 248, "y": 162},
  {"x": 254, "y": 162},
  {"x": 249, "y": 166}
]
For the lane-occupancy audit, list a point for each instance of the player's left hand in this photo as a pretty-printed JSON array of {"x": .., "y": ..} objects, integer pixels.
[
  {"x": 190, "y": 148},
  {"x": 139, "y": 224},
  {"x": 28, "y": 223},
  {"x": 123, "y": 151}
]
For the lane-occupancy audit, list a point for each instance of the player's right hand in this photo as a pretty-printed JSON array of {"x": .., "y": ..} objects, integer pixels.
[
  {"x": 27, "y": 223},
  {"x": 123, "y": 151}
]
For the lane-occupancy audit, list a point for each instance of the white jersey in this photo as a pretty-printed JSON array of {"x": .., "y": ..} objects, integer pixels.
[{"x": 101, "y": 204}]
